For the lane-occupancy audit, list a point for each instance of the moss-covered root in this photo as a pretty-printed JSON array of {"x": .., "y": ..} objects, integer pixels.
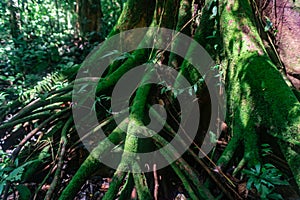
[
  {"x": 292, "y": 157},
  {"x": 142, "y": 186},
  {"x": 92, "y": 163},
  {"x": 61, "y": 154},
  {"x": 183, "y": 170},
  {"x": 115, "y": 185},
  {"x": 251, "y": 152},
  {"x": 126, "y": 191},
  {"x": 229, "y": 151},
  {"x": 255, "y": 84},
  {"x": 226, "y": 190},
  {"x": 35, "y": 131},
  {"x": 26, "y": 113},
  {"x": 167, "y": 13},
  {"x": 244, "y": 136}
]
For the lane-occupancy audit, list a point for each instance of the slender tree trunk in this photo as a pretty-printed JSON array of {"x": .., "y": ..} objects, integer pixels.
[
  {"x": 89, "y": 18},
  {"x": 57, "y": 16},
  {"x": 15, "y": 23}
]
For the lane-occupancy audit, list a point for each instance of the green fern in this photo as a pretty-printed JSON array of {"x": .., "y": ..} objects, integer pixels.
[{"x": 49, "y": 83}]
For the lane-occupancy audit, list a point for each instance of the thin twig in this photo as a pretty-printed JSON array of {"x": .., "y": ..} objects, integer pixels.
[{"x": 156, "y": 185}]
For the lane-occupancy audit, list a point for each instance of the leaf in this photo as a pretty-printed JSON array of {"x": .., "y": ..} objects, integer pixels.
[
  {"x": 114, "y": 52},
  {"x": 258, "y": 168},
  {"x": 265, "y": 145},
  {"x": 180, "y": 91},
  {"x": 16, "y": 174},
  {"x": 124, "y": 56},
  {"x": 16, "y": 162},
  {"x": 216, "y": 67},
  {"x": 11, "y": 78},
  {"x": 249, "y": 183},
  {"x": 213, "y": 137},
  {"x": 268, "y": 165},
  {"x": 118, "y": 148},
  {"x": 211, "y": 36},
  {"x": 191, "y": 91},
  {"x": 275, "y": 196},
  {"x": 3, "y": 95},
  {"x": 82, "y": 89},
  {"x": 257, "y": 184},
  {"x": 264, "y": 191},
  {"x": 2, "y": 186},
  {"x": 248, "y": 172},
  {"x": 163, "y": 90},
  {"x": 195, "y": 87},
  {"x": 24, "y": 192},
  {"x": 269, "y": 24},
  {"x": 278, "y": 181},
  {"x": 214, "y": 11},
  {"x": 175, "y": 93}
]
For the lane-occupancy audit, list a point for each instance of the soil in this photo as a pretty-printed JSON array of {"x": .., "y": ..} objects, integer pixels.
[{"x": 285, "y": 16}]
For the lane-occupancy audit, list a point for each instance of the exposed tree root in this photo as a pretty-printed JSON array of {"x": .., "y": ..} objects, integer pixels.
[
  {"x": 61, "y": 151},
  {"x": 126, "y": 191},
  {"x": 255, "y": 82},
  {"x": 258, "y": 97}
]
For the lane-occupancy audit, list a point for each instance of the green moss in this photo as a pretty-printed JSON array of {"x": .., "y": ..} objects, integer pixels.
[
  {"x": 114, "y": 185},
  {"x": 135, "y": 14},
  {"x": 127, "y": 189},
  {"x": 141, "y": 186},
  {"x": 257, "y": 93},
  {"x": 255, "y": 82}
]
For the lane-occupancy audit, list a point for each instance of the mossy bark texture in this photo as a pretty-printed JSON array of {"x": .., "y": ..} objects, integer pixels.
[
  {"x": 260, "y": 104},
  {"x": 257, "y": 94}
]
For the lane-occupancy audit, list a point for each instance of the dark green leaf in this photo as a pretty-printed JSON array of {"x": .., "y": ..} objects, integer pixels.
[{"x": 24, "y": 192}]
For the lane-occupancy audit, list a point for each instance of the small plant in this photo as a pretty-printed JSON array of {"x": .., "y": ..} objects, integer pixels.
[
  {"x": 266, "y": 149},
  {"x": 12, "y": 172},
  {"x": 264, "y": 178},
  {"x": 269, "y": 25}
]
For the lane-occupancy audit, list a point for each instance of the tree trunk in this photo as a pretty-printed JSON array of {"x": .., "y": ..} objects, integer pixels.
[
  {"x": 15, "y": 23},
  {"x": 259, "y": 100},
  {"x": 89, "y": 18}
]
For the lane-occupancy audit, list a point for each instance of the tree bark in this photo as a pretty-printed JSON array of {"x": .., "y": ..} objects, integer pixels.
[
  {"x": 260, "y": 104},
  {"x": 15, "y": 23},
  {"x": 258, "y": 97},
  {"x": 89, "y": 18}
]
